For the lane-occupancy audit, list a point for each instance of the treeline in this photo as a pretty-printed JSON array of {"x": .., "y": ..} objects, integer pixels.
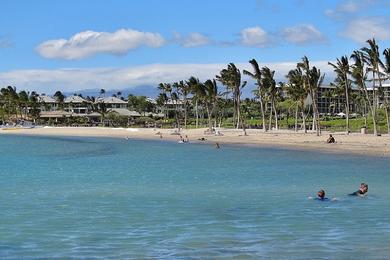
[
  {"x": 364, "y": 71},
  {"x": 26, "y": 105}
]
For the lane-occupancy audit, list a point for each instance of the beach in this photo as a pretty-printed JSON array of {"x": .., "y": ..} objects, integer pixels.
[{"x": 354, "y": 143}]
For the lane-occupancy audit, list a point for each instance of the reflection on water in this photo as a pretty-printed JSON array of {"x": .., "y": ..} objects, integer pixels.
[{"x": 97, "y": 197}]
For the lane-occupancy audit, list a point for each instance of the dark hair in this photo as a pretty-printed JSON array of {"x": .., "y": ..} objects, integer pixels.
[{"x": 322, "y": 192}]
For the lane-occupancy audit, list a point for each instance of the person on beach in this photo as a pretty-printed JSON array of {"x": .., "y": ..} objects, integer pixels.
[
  {"x": 186, "y": 139},
  {"x": 331, "y": 139},
  {"x": 217, "y": 145},
  {"x": 362, "y": 190}
]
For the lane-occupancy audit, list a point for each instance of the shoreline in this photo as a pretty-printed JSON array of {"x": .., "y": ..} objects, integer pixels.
[{"x": 353, "y": 144}]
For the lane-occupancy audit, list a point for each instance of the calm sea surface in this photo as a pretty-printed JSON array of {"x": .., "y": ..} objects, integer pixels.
[{"x": 115, "y": 198}]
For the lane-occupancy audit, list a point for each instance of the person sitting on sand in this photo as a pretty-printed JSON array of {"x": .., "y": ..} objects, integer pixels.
[
  {"x": 331, "y": 140},
  {"x": 362, "y": 190},
  {"x": 202, "y": 139},
  {"x": 321, "y": 195}
]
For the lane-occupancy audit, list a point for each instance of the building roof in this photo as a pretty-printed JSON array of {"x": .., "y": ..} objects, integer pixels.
[
  {"x": 46, "y": 99},
  {"x": 124, "y": 112},
  {"x": 111, "y": 100},
  {"x": 74, "y": 99}
]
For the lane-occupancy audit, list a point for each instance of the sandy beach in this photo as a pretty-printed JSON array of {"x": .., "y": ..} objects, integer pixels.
[{"x": 346, "y": 144}]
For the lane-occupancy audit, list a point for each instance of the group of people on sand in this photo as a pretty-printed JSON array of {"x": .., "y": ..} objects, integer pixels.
[
  {"x": 184, "y": 139},
  {"x": 363, "y": 189}
]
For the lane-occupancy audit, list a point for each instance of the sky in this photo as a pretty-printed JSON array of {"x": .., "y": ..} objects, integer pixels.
[{"x": 75, "y": 45}]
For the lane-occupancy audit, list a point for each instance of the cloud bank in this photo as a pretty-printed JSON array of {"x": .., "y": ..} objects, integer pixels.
[
  {"x": 69, "y": 80},
  {"x": 89, "y": 43}
]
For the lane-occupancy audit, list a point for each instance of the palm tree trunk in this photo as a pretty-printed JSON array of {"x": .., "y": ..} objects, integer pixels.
[
  {"x": 276, "y": 116},
  {"x": 238, "y": 112},
  {"x": 185, "y": 112},
  {"x": 270, "y": 118},
  {"x": 387, "y": 118},
  {"x": 196, "y": 114},
  {"x": 296, "y": 118},
  {"x": 263, "y": 114}
]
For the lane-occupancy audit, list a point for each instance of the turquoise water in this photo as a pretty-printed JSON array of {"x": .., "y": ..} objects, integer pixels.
[{"x": 113, "y": 198}]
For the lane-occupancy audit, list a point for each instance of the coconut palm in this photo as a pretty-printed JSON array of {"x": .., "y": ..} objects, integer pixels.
[
  {"x": 211, "y": 98},
  {"x": 359, "y": 75},
  {"x": 231, "y": 78},
  {"x": 312, "y": 79},
  {"x": 256, "y": 75},
  {"x": 342, "y": 70},
  {"x": 297, "y": 92},
  {"x": 269, "y": 83},
  {"x": 386, "y": 70},
  {"x": 195, "y": 87},
  {"x": 371, "y": 57}
]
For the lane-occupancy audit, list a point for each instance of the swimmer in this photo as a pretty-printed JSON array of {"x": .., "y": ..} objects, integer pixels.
[
  {"x": 217, "y": 145},
  {"x": 321, "y": 195},
  {"x": 362, "y": 190}
]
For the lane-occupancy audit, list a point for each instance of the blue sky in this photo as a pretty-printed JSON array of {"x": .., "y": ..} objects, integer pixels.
[{"x": 74, "y": 45}]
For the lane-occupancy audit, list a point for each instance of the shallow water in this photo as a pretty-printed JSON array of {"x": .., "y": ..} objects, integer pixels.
[{"x": 116, "y": 198}]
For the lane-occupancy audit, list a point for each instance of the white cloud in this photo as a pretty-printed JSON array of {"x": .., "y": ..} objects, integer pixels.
[
  {"x": 255, "y": 36},
  {"x": 348, "y": 7},
  {"x": 69, "y": 80},
  {"x": 362, "y": 29},
  {"x": 89, "y": 43},
  {"x": 302, "y": 34},
  {"x": 195, "y": 40}
]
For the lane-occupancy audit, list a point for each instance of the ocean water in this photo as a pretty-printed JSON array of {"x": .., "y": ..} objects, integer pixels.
[{"x": 114, "y": 198}]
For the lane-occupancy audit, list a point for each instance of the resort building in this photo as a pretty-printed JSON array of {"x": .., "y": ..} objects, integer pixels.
[
  {"x": 76, "y": 105},
  {"x": 47, "y": 103},
  {"x": 113, "y": 102}
]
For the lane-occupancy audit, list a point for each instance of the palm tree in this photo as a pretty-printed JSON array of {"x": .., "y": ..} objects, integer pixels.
[
  {"x": 315, "y": 82},
  {"x": 359, "y": 75},
  {"x": 256, "y": 75},
  {"x": 184, "y": 90},
  {"x": 23, "y": 98},
  {"x": 312, "y": 79},
  {"x": 269, "y": 83},
  {"x": 211, "y": 98},
  {"x": 372, "y": 59},
  {"x": 298, "y": 93},
  {"x": 231, "y": 78},
  {"x": 342, "y": 70},
  {"x": 386, "y": 70},
  {"x": 195, "y": 87},
  {"x": 102, "y": 92}
]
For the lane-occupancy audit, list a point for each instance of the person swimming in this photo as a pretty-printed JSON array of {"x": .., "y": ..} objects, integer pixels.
[
  {"x": 362, "y": 190},
  {"x": 321, "y": 195}
]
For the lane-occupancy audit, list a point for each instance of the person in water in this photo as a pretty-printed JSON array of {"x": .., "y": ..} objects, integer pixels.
[
  {"x": 321, "y": 195},
  {"x": 331, "y": 140},
  {"x": 362, "y": 190}
]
